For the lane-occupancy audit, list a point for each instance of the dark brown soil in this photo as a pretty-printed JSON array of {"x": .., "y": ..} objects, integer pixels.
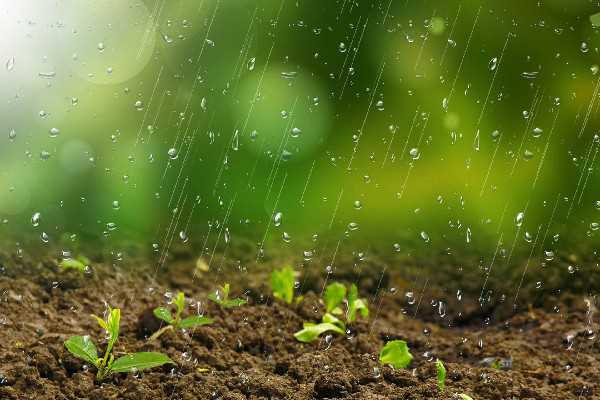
[{"x": 250, "y": 352}]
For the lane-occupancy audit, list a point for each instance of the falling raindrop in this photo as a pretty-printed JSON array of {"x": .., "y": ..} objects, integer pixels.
[
  {"x": 54, "y": 132},
  {"x": 414, "y": 153},
  {"x": 35, "y": 219},
  {"x": 519, "y": 218},
  {"x": 277, "y": 218},
  {"x": 250, "y": 64},
  {"x": 537, "y": 132},
  {"x": 172, "y": 153},
  {"x": 295, "y": 132},
  {"x": 12, "y": 134},
  {"x": 10, "y": 64},
  {"x": 493, "y": 63}
]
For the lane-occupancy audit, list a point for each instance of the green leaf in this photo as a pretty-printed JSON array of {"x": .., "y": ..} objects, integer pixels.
[
  {"x": 71, "y": 263},
  {"x": 196, "y": 320},
  {"x": 312, "y": 331},
  {"x": 113, "y": 322},
  {"x": 334, "y": 295},
  {"x": 230, "y": 303},
  {"x": 82, "y": 347},
  {"x": 164, "y": 314},
  {"x": 396, "y": 353},
  {"x": 465, "y": 396},
  {"x": 179, "y": 302},
  {"x": 282, "y": 284},
  {"x": 139, "y": 361},
  {"x": 331, "y": 319},
  {"x": 355, "y": 304},
  {"x": 441, "y": 374}
]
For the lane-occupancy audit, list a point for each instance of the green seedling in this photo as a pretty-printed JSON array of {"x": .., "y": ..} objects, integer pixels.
[
  {"x": 282, "y": 284},
  {"x": 465, "y": 396},
  {"x": 355, "y": 305},
  {"x": 334, "y": 296},
  {"x": 441, "y": 374},
  {"x": 221, "y": 297},
  {"x": 312, "y": 331},
  {"x": 175, "y": 321},
  {"x": 396, "y": 354},
  {"x": 79, "y": 263},
  {"x": 84, "y": 348}
]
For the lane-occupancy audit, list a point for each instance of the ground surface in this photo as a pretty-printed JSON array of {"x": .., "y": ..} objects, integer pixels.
[{"x": 250, "y": 353}]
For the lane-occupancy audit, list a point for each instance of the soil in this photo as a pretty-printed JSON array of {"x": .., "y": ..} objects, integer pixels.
[{"x": 250, "y": 352}]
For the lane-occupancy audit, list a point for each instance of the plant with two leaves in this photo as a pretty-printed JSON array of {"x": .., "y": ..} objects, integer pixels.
[
  {"x": 84, "y": 348},
  {"x": 221, "y": 297},
  {"x": 335, "y": 295},
  {"x": 282, "y": 284},
  {"x": 395, "y": 353},
  {"x": 175, "y": 321},
  {"x": 441, "y": 374}
]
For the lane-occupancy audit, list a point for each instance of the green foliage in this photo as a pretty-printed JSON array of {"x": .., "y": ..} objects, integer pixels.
[
  {"x": 356, "y": 305},
  {"x": 334, "y": 296},
  {"x": 80, "y": 263},
  {"x": 441, "y": 374},
  {"x": 222, "y": 298},
  {"x": 282, "y": 284},
  {"x": 175, "y": 321},
  {"x": 396, "y": 353},
  {"x": 84, "y": 348},
  {"x": 312, "y": 331}
]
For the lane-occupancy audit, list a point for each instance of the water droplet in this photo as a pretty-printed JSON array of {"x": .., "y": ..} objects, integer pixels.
[
  {"x": 250, "y": 64},
  {"x": 493, "y": 63},
  {"x": 379, "y": 105},
  {"x": 414, "y": 153},
  {"x": 342, "y": 47},
  {"x": 100, "y": 46},
  {"x": 183, "y": 236},
  {"x": 295, "y": 132},
  {"x": 519, "y": 218},
  {"x": 12, "y": 134},
  {"x": 54, "y": 132},
  {"x": 35, "y": 219},
  {"x": 537, "y": 132},
  {"x": 352, "y": 226},
  {"x": 172, "y": 153},
  {"x": 10, "y": 64},
  {"x": 424, "y": 236},
  {"x": 277, "y": 218}
]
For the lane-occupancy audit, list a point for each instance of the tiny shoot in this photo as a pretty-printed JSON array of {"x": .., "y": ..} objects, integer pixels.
[
  {"x": 396, "y": 354},
  {"x": 80, "y": 263},
  {"x": 221, "y": 297},
  {"x": 312, "y": 331},
  {"x": 441, "y": 374},
  {"x": 175, "y": 321},
  {"x": 463, "y": 396},
  {"x": 84, "y": 348},
  {"x": 282, "y": 284}
]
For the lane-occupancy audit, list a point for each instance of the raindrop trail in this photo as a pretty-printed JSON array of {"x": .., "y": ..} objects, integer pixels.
[
  {"x": 366, "y": 114},
  {"x": 590, "y": 107},
  {"x": 537, "y": 175},
  {"x": 137, "y": 137},
  {"x": 262, "y": 243},
  {"x": 527, "y": 265},
  {"x": 583, "y": 172},
  {"x": 487, "y": 174},
  {"x": 425, "y": 38},
  {"x": 450, "y": 35},
  {"x": 312, "y": 167},
  {"x": 487, "y": 97},
  {"x": 353, "y": 58},
  {"x": 533, "y": 113},
  {"x": 410, "y": 131},
  {"x": 462, "y": 60},
  {"x": 337, "y": 204}
]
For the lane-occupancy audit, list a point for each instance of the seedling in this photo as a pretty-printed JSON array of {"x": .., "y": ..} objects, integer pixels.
[
  {"x": 396, "y": 354},
  {"x": 441, "y": 374},
  {"x": 465, "y": 396},
  {"x": 175, "y": 321},
  {"x": 312, "y": 331},
  {"x": 221, "y": 297},
  {"x": 334, "y": 296},
  {"x": 282, "y": 284},
  {"x": 79, "y": 263},
  {"x": 84, "y": 348}
]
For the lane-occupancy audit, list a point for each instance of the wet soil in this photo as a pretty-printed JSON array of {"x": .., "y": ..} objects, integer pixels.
[{"x": 250, "y": 352}]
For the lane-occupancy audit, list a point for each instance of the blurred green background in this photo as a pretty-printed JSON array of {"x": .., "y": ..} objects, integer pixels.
[{"x": 396, "y": 124}]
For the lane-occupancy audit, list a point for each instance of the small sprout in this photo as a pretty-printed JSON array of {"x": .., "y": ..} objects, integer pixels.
[
  {"x": 395, "y": 353},
  {"x": 80, "y": 263},
  {"x": 465, "y": 396},
  {"x": 312, "y": 331},
  {"x": 334, "y": 295},
  {"x": 282, "y": 284},
  {"x": 441, "y": 374},
  {"x": 175, "y": 321},
  {"x": 355, "y": 304},
  {"x": 222, "y": 298},
  {"x": 84, "y": 348}
]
